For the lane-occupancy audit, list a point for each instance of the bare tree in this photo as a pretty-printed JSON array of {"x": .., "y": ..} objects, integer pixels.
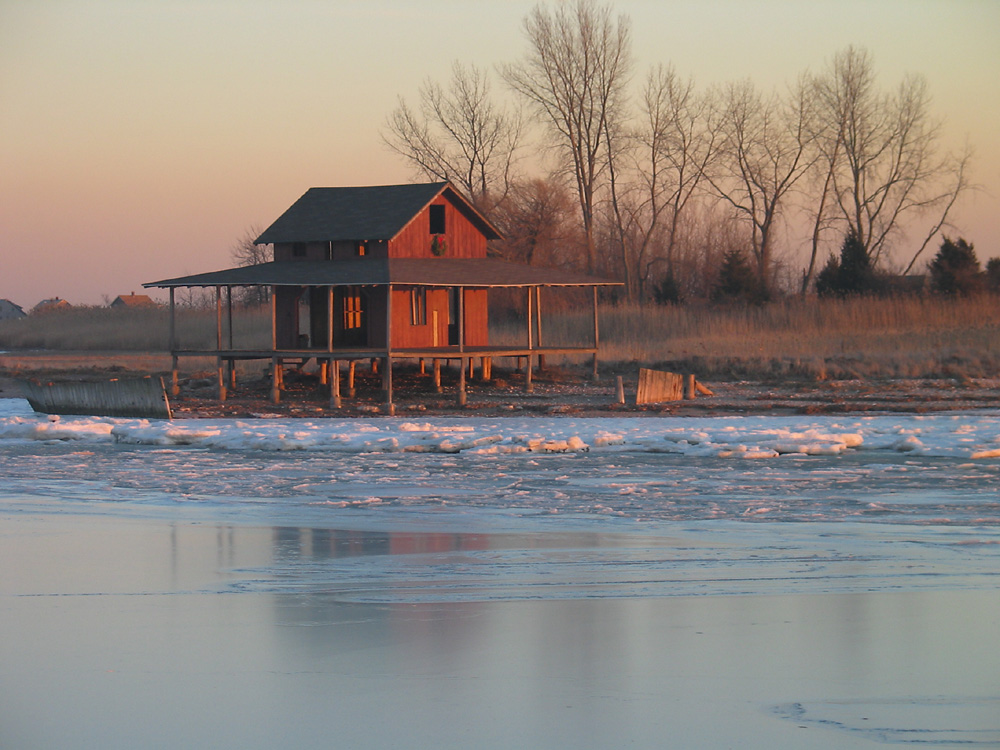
[
  {"x": 575, "y": 76},
  {"x": 678, "y": 147},
  {"x": 459, "y": 134},
  {"x": 889, "y": 171},
  {"x": 245, "y": 253},
  {"x": 767, "y": 147},
  {"x": 537, "y": 223}
]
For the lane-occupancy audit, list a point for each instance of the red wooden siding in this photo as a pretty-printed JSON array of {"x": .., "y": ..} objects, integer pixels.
[
  {"x": 477, "y": 331},
  {"x": 405, "y": 335},
  {"x": 461, "y": 236}
]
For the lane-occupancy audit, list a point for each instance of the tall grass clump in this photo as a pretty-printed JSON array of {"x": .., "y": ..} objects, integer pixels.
[
  {"x": 812, "y": 338},
  {"x": 136, "y": 329}
]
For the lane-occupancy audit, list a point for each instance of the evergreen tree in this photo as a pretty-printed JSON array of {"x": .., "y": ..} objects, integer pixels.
[
  {"x": 851, "y": 274},
  {"x": 737, "y": 280},
  {"x": 828, "y": 279},
  {"x": 955, "y": 269},
  {"x": 668, "y": 291},
  {"x": 993, "y": 275}
]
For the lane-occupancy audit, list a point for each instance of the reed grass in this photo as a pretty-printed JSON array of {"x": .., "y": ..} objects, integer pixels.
[
  {"x": 104, "y": 329},
  {"x": 903, "y": 337}
]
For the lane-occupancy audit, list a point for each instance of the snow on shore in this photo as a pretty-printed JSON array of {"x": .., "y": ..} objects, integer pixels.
[{"x": 971, "y": 436}]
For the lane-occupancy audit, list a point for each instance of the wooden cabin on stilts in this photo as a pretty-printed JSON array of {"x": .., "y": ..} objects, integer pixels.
[{"x": 383, "y": 274}]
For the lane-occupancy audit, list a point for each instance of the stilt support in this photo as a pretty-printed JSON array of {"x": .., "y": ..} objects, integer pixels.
[{"x": 334, "y": 371}]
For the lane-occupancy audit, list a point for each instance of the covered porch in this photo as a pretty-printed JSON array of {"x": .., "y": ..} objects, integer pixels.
[{"x": 343, "y": 313}]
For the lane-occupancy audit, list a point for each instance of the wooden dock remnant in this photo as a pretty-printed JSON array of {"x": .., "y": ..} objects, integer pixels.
[
  {"x": 657, "y": 386},
  {"x": 135, "y": 397}
]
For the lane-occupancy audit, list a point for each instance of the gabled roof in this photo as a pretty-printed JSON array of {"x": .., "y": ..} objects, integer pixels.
[
  {"x": 470, "y": 272},
  {"x": 325, "y": 214},
  {"x": 133, "y": 300}
]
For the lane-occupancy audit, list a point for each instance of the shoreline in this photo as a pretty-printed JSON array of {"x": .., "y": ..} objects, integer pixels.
[{"x": 557, "y": 390}]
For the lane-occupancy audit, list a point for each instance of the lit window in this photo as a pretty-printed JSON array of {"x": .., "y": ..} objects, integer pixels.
[
  {"x": 352, "y": 309},
  {"x": 418, "y": 306},
  {"x": 361, "y": 249}
]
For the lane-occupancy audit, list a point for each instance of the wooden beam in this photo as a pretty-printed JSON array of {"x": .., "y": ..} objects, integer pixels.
[
  {"x": 538, "y": 324},
  {"x": 231, "y": 363},
  {"x": 529, "y": 386},
  {"x": 462, "y": 396},
  {"x": 597, "y": 338},
  {"x": 274, "y": 319},
  {"x": 387, "y": 376},
  {"x": 275, "y": 379},
  {"x": 334, "y": 369},
  {"x": 175, "y": 387},
  {"x": 221, "y": 376}
]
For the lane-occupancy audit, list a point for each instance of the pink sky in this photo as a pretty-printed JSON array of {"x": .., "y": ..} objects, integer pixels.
[{"x": 140, "y": 138}]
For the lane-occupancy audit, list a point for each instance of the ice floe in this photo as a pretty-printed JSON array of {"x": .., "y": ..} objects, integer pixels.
[{"x": 971, "y": 436}]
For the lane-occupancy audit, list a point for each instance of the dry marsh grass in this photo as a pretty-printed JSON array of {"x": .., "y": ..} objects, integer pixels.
[
  {"x": 918, "y": 337},
  {"x": 906, "y": 337},
  {"x": 101, "y": 329}
]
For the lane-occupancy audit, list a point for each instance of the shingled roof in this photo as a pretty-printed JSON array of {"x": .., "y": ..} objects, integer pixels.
[
  {"x": 470, "y": 272},
  {"x": 325, "y": 214}
]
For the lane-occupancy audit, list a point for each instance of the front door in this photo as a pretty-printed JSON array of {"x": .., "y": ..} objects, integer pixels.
[{"x": 353, "y": 317}]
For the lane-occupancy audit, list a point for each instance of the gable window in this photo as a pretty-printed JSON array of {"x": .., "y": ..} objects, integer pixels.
[
  {"x": 352, "y": 308},
  {"x": 418, "y": 306},
  {"x": 437, "y": 219}
]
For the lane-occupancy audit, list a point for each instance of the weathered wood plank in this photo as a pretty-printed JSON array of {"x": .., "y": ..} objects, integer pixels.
[{"x": 656, "y": 386}]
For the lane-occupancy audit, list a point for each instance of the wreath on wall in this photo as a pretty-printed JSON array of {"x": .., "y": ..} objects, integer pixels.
[{"x": 438, "y": 245}]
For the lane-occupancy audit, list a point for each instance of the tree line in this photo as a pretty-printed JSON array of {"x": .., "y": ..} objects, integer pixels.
[{"x": 684, "y": 192}]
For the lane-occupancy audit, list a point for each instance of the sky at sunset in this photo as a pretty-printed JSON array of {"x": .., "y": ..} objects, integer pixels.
[{"x": 140, "y": 138}]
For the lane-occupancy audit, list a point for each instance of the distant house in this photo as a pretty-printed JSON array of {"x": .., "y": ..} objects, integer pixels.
[
  {"x": 10, "y": 311},
  {"x": 386, "y": 272},
  {"x": 50, "y": 305},
  {"x": 132, "y": 300}
]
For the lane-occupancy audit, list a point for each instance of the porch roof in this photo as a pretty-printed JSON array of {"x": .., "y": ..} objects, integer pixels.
[{"x": 466, "y": 272}]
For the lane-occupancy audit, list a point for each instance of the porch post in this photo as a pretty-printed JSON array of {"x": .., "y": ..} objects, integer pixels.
[
  {"x": 529, "y": 386},
  {"x": 335, "y": 400},
  {"x": 275, "y": 381},
  {"x": 231, "y": 362},
  {"x": 387, "y": 375},
  {"x": 462, "y": 396},
  {"x": 218, "y": 344},
  {"x": 597, "y": 337},
  {"x": 275, "y": 374},
  {"x": 175, "y": 387},
  {"x": 538, "y": 324},
  {"x": 324, "y": 375}
]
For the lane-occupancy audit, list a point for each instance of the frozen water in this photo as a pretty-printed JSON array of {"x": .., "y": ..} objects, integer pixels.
[
  {"x": 707, "y": 582},
  {"x": 672, "y": 505}
]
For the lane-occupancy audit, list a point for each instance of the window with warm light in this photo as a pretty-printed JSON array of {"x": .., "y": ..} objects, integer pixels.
[{"x": 352, "y": 309}]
